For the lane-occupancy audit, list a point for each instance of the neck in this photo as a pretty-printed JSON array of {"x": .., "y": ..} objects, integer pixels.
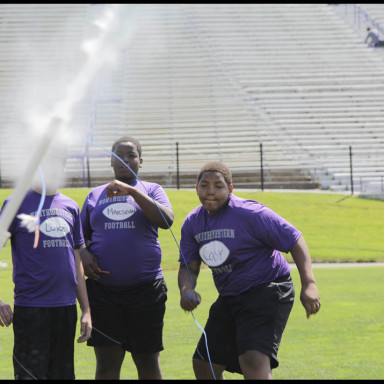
[
  {"x": 130, "y": 180},
  {"x": 48, "y": 192}
]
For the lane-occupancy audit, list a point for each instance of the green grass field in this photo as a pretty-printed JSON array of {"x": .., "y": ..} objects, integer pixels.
[{"x": 345, "y": 340}]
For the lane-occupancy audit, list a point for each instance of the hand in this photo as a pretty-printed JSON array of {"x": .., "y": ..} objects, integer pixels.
[
  {"x": 86, "y": 327},
  {"x": 190, "y": 300},
  {"x": 310, "y": 298},
  {"x": 117, "y": 188},
  {"x": 6, "y": 315},
  {"x": 91, "y": 268}
]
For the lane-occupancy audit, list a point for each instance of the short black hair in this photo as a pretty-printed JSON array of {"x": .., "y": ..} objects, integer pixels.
[
  {"x": 125, "y": 139},
  {"x": 216, "y": 166}
]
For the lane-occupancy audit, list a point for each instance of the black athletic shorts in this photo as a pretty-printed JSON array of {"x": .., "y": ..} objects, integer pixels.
[
  {"x": 129, "y": 316},
  {"x": 44, "y": 342},
  {"x": 253, "y": 320}
]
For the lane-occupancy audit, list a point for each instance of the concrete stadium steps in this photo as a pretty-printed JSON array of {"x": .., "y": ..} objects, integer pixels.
[
  {"x": 150, "y": 76},
  {"x": 39, "y": 53},
  {"x": 219, "y": 79},
  {"x": 273, "y": 179},
  {"x": 293, "y": 69}
]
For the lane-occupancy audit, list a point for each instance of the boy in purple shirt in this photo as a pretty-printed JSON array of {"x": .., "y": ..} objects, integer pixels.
[
  {"x": 125, "y": 284},
  {"x": 47, "y": 279},
  {"x": 241, "y": 242}
]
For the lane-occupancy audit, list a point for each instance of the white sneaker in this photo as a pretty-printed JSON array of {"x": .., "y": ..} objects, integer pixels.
[{"x": 3, "y": 265}]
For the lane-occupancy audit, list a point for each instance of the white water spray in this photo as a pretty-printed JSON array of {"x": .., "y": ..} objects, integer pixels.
[{"x": 117, "y": 30}]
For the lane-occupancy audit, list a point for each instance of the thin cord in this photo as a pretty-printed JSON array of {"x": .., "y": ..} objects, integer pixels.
[
  {"x": 25, "y": 369},
  {"x": 169, "y": 227},
  {"x": 38, "y": 213},
  {"x": 108, "y": 337}
]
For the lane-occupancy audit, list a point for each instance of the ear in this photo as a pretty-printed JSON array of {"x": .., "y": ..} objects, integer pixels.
[
  {"x": 141, "y": 162},
  {"x": 230, "y": 188},
  {"x": 197, "y": 188}
]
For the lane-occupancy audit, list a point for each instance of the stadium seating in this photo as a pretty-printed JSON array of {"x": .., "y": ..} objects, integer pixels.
[{"x": 218, "y": 79}]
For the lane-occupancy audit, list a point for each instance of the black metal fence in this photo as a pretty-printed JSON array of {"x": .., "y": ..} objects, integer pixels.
[{"x": 259, "y": 175}]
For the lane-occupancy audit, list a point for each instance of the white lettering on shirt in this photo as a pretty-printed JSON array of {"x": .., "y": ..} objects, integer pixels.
[
  {"x": 56, "y": 243},
  {"x": 113, "y": 199},
  {"x": 119, "y": 225},
  {"x": 223, "y": 269},
  {"x": 215, "y": 234},
  {"x": 119, "y": 211},
  {"x": 54, "y": 212},
  {"x": 214, "y": 253},
  {"x": 55, "y": 227}
]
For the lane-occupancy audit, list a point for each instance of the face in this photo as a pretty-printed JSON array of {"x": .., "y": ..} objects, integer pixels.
[
  {"x": 213, "y": 191},
  {"x": 128, "y": 153},
  {"x": 52, "y": 168}
]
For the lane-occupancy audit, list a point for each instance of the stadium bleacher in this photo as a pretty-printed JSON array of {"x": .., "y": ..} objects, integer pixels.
[{"x": 218, "y": 79}]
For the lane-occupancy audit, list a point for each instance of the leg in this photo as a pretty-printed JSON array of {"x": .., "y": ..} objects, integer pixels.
[
  {"x": 148, "y": 366},
  {"x": 108, "y": 333},
  {"x": 62, "y": 346},
  {"x": 144, "y": 327},
  {"x": 31, "y": 327},
  {"x": 109, "y": 360},
  {"x": 217, "y": 346},
  {"x": 263, "y": 312},
  {"x": 255, "y": 365},
  {"x": 203, "y": 370}
]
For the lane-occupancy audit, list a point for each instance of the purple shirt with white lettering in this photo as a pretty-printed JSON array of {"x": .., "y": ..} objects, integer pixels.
[
  {"x": 46, "y": 276},
  {"x": 122, "y": 238},
  {"x": 241, "y": 244}
]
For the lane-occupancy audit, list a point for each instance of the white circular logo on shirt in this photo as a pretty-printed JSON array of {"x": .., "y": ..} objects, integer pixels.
[
  {"x": 55, "y": 227},
  {"x": 214, "y": 253},
  {"x": 119, "y": 211}
]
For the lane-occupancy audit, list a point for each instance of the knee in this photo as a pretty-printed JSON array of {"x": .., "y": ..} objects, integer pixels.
[
  {"x": 202, "y": 370},
  {"x": 196, "y": 364},
  {"x": 255, "y": 365},
  {"x": 148, "y": 366},
  {"x": 109, "y": 361},
  {"x": 146, "y": 360}
]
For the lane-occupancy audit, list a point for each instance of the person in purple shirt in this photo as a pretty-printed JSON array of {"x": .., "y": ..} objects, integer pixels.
[
  {"x": 48, "y": 277},
  {"x": 241, "y": 242},
  {"x": 125, "y": 284}
]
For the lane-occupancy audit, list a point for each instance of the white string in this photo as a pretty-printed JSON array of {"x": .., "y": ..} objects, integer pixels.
[{"x": 169, "y": 227}]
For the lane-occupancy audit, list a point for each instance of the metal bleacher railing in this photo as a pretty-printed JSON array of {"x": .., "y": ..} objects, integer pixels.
[
  {"x": 214, "y": 80},
  {"x": 361, "y": 18}
]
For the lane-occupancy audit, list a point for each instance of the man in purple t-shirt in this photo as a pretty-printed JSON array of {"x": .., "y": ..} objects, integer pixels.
[
  {"x": 48, "y": 276},
  {"x": 125, "y": 284},
  {"x": 241, "y": 242}
]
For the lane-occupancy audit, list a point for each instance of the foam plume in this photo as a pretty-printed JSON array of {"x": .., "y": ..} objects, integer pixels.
[{"x": 117, "y": 29}]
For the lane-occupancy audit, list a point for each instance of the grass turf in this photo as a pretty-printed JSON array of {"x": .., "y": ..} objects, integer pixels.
[{"x": 344, "y": 341}]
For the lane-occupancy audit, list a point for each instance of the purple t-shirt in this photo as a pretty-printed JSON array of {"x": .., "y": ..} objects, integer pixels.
[
  {"x": 46, "y": 276},
  {"x": 122, "y": 238},
  {"x": 241, "y": 244}
]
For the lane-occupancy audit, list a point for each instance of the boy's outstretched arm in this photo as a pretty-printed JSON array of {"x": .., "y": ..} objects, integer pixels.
[
  {"x": 309, "y": 295},
  {"x": 189, "y": 298},
  {"x": 82, "y": 297},
  {"x": 149, "y": 207},
  {"x": 6, "y": 314}
]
